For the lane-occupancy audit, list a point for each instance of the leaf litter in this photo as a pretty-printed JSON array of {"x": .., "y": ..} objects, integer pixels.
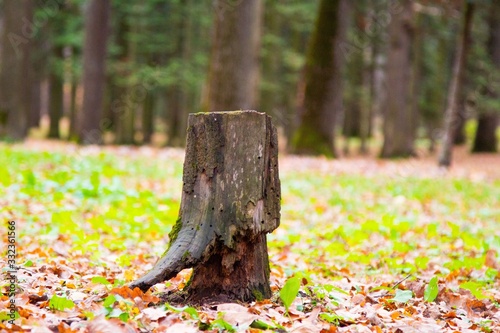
[{"x": 371, "y": 246}]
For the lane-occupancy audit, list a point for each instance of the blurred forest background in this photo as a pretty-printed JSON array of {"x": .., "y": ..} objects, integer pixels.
[{"x": 391, "y": 78}]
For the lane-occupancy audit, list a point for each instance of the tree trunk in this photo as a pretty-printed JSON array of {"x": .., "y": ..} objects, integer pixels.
[
  {"x": 124, "y": 107},
  {"x": 416, "y": 79},
  {"x": 38, "y": 63},
  {"x": 486, "y": 138},
  {"x": 16, "y": 71},
  {"x": 445, "y": 155},
  {"x": 148, "y": 117},
  {"x": 398, "y": 116},
  {"x": 323, "y": 92},
  {"x": 94, "y": 62},
  {"x": 234, "y": 64},
  {"x": 176, "y": 101},
  {"x": 125, "y": 102},
  {"x": 36, "y": 95},
  {"x": 56, "y": 96},
  {"x": 459, "y": 137},
  {"x": 368, "y": 105},
  {"x": 230, "y": 200},
  {"x": 271, "y": 55},
  {"x": 355, "y": 68},
  {"x": 73, "y": 108},
  {"x": 177, "y": 93}
]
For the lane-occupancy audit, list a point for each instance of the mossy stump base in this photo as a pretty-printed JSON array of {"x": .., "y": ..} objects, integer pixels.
[{"x": 230, "y": 201}]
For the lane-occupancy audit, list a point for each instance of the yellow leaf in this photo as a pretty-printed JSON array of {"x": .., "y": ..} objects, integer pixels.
[{"x": 129, "y": 275}]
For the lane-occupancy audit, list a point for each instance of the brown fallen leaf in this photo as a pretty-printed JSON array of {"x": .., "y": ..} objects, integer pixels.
[
  {"x": 181, "y": 328},
  {"x": 358, "y": 299},
  {"x": 490, "y": 259},
  {"x": 126, "y": 292},
  {"x": 64, "y": 328},
  {"x": 306, "y": 328},
  {"x": 474, "y": 306},
  {"x": 449, "y": 315},
  {"x": 331, "y": 329},
  {"x": 101, "y": 325},
  {"x": 36, "y": 298},
  {"x": 154, "y": 313}
]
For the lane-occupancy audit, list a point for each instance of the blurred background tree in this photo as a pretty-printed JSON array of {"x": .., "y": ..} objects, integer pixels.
[{"x": 371, "y": 75}]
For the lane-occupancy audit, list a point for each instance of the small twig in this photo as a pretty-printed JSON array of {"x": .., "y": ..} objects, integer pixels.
[
  {"x": 385, "y": 293},
  {"x": 400, "y": 281}
]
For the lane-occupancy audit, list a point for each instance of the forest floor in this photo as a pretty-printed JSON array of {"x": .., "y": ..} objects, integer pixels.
[{"x": 376, "y": 246}]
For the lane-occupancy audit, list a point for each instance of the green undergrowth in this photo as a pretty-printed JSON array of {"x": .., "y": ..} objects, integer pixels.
[{"x": 360, "y": 225}]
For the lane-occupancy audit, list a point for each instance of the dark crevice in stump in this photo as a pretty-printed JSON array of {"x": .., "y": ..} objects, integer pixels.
[{"x": 230, "y": 201}]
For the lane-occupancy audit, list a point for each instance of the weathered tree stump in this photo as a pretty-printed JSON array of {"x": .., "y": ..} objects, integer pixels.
[{"x": 230, "y": 201}]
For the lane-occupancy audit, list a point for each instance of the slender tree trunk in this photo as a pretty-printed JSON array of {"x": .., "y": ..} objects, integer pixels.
[
  {"x": 322, "y": 96},
  {"x": 416, "y": 81},
  {"x": 36, "y": 95},
  {"x": 459, "y": 129},
  {"x": 177, "y": 95},
  {"x": 230, "y": 200},
  {"x": 368, "y": 106},
  {"x": 271, "y": 61},
  {"x": 445, "y": 155},
  {"x": 56, "y": 97},
  {"x": 94, "y": 62},
  {"x": 353, "y": 110},
  {"x": 38, "y": 61},
  {"x": 486, "y": 138},
  {"x": 176, "y": 123},
  {"x": 16, "y": 72},
  {"x": 75, "y": 56},
  {"x": 124, "y": 105},
  {"x": 398, "y": 115},
  {"x": 73, "y": 107},
  {"x": 148, "y": 118},
  {"x": 234, "y": 67}
]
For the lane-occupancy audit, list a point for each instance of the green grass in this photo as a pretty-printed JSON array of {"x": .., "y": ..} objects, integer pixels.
[{"x": 105, "y": 203}]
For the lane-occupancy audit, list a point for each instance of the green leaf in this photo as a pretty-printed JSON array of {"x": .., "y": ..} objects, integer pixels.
[
  {"x": 262, "y": 325},
  {"x": 223, "y": 325},
  {"x": 402, "y": 296},
  {"x": 187, "y": 309},
  {"x": 94, "y": 180},
  {"x": 124, "y": 317},
  {"x": 474, "y": 288},
  {"x": 289, "y": 291},
  {"x": 89, "y": 315},
  {"x": 60, "y": 303},
  {"x": 108, "y": 301},
  {"x": 29, "y": 178},
  {"x": 28, "y": 263},
  {"x": 332, "y": 318},
  {"x": 5, "y": 316},
  {"x": 100, "y": 279},
  {"x": 432, "y": 289},
  {"x": 329, "y": 288},
  {"x": 118, "y": 313}
]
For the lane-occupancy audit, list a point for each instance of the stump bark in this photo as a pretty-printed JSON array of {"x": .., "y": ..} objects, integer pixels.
[{"x": 230, "y": 201}]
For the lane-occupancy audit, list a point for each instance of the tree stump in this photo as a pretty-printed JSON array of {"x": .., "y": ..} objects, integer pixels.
[{"x": 230, "y": 201}]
